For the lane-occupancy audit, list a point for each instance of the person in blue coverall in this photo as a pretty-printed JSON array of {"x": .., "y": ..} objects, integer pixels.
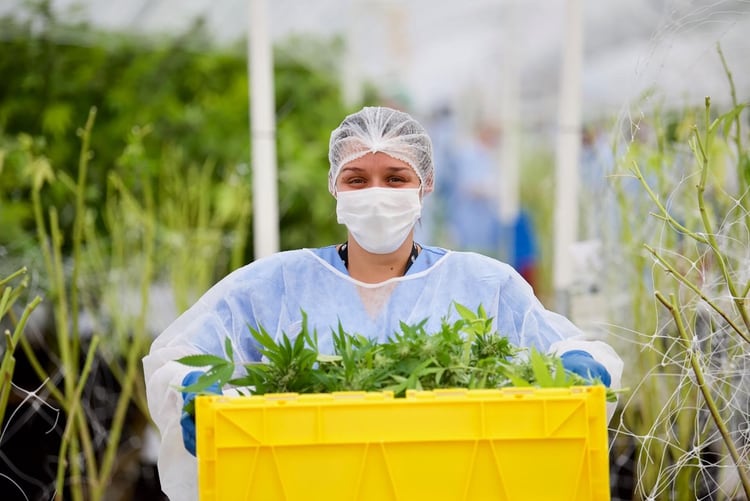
[{"x": 381, "y": 168}]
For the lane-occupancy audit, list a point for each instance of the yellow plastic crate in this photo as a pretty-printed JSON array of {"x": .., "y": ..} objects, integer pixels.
[{"x": 511, "y": 444}]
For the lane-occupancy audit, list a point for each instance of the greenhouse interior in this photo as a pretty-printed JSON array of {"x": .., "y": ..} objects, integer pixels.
[{"x": 188, "y": 313}]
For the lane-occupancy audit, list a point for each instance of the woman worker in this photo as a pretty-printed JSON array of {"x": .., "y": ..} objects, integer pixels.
[{"x": 381, "y": 168}]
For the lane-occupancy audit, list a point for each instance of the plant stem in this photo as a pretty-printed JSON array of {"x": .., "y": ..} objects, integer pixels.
[
  {"x": 54, "y": 391},
  {"x": 663, "y": 210},
  {"x": 684, "y": 424},
  {"x": 741, "y": 156},
  {"x": 57, "y": 280},
  {"x": 22, "y": 271},
  {"x": 673, "y": 308},
  {"x": 684, "y": 280},
  {"x": 711, "y": 237},
  {"x": 61, "y": 318},
  {"x": 134, "y": 354},
  {"x": 75, "y": 405},
  {"x": 78, "y": 222},
  {"x": 737, "y": 121},
  {"x": 8, "y": 364}
]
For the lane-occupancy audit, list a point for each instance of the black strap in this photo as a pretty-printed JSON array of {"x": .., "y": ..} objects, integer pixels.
[{"x": 344, "y": 255}]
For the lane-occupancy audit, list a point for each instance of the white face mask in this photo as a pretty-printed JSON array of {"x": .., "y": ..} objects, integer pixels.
[{"x": 379, "y": 219}]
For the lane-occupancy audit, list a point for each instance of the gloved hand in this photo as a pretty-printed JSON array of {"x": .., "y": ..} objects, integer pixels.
[
  {"x": 583, "y": 364},
  {"x": 187, "y": 421}
]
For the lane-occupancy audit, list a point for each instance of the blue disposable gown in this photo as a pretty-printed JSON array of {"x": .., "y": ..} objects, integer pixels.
[{"x": 273, "y": 292}]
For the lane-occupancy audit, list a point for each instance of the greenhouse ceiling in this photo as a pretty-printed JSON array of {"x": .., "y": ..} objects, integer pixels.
[{"x": 443, "y": 51}]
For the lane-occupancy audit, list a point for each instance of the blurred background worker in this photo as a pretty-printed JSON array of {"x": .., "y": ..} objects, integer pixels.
[
  {"x": 465, "y": 213},
  {"x": 472, "y": 219}
]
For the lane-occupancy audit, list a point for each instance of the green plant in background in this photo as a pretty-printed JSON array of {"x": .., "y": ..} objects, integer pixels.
[
  {"x": 711, "y": 321},
  {"x": 181, "y": 99},
  {"x": 631, "y": 306},
  {"x": 151, "y": 235},
  {"x": 687, "y": 415},
  {"x": 77, "y": 437},
  {"x": 201, "y": 222},
  {"x": 145, "y": 216},
  {"x": 465, "y": 353}
]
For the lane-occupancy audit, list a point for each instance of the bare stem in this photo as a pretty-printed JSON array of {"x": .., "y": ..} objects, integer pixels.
[
  {"x": 665, "y": 215},
  {"x": 12, "y": 276},
  {"x": 133, "y": 358},
  {"x": 78, "y": 222},
  {"x": 74, "y": 406},
  {"x": 673, "y": 308},
  {"x": 685, "y": 281},
  {"x": 735, "y": 103},
  {"x": 8, "y": 364},
  {"x": 701, "y": 151}
]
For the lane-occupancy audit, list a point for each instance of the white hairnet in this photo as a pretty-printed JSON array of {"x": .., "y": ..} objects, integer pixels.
[{"x": 380, "y": 129}]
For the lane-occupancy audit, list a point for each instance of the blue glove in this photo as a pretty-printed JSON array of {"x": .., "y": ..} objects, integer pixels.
[
  {"x": 583, "y": 364},
  {"x": 187, "y": 421}
]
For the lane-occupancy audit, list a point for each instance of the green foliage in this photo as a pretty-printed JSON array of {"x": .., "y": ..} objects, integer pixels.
[
  {"x": 19, "y": 158},
  {"x": 691, "y": 255},
  {"x": 714, "y": 239},
  {"x": 466, "y": 353},
  {"x": 159, "y": 193},
  {"x": 189, "y": 98},
  {"x": 163, "y": 104}
]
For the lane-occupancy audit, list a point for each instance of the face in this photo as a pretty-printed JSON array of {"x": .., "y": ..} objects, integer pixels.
[{"x": 376, "y": 170}]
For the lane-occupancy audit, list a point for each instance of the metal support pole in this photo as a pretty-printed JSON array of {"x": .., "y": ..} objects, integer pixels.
[
  {"x": 262, "y": 132},
  {"x": 568, "y": 155}
]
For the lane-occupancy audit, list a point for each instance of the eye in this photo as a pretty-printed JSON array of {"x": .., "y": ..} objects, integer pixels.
[{"x": 353, "y": 180}]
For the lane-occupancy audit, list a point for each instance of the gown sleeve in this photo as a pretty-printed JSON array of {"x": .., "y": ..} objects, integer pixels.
[
  {"x": 223, "y": 312},
  {"x": 523, "y": 318}
]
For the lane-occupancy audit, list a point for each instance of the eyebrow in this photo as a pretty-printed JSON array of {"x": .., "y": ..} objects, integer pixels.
[{"x": 354, "y": 168}]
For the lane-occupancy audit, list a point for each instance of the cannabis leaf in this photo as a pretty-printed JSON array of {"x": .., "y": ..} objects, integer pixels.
[{"x": 464, "y": 353}]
